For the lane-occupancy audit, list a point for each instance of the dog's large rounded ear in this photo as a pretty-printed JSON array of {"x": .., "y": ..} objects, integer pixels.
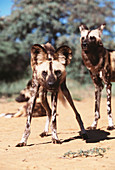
[
  {"x": 102, "y": 26},
  {"x": 64, "y": 55},
  {"x": 83, "y": 27},
  {"x": 38, "y": 54}
]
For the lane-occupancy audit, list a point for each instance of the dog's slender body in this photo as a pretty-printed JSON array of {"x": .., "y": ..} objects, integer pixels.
[
  {"x": 101, "y": 64},
  {"x": 49, "y": 74}
]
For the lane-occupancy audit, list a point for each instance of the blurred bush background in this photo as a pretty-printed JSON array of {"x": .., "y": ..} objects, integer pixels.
[{"x": 57, "y": 22}]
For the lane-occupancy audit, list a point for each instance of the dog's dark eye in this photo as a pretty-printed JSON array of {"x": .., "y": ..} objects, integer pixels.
[
  {"x": 83, "y": 38},
  {"x": 57, "y": 73},
  {"x": 44, "y": 73},
  {"x": 92, "y": 38}
]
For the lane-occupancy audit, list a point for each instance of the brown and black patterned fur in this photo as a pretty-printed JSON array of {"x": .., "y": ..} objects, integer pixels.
[
  {"x": 49, "y": 74},
  {"x": 24, "y": 96},
  {"x": 25, "y": 93},
  {"x": 101, "y": 65}
]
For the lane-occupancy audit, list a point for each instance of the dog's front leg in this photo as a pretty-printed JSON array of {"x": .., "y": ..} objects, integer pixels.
[
  {"x": 78, "y": 117},
  {"x": 97, "y": 107},
  {"x": 44, "y": 102},
  {"x": 53, "y": 126},
  {"x": 110, "y": 119},
  {"x": 98, "y": 88},
  {"x": 30, "y": 107}
]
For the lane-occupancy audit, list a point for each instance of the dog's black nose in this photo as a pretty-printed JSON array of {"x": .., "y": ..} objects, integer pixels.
[
  {"x": 50, "y": 83},
  {"x": 21, "y": 98},
  {"x": 84, "y": 43}
]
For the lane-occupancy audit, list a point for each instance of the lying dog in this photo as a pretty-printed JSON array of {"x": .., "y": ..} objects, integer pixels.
[
  {"x": 49, "y": 74},
  {"x": 24, "y": 96},
  {"x": 101, "y": 64}
]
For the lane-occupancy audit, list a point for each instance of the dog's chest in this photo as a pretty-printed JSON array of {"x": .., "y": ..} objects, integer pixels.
[
  {"x": 90, "y": 59},
  {"x": 92, "y": 62}
]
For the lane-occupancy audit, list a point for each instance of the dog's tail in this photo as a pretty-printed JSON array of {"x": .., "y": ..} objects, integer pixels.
[{"x": 61, "y": 97}]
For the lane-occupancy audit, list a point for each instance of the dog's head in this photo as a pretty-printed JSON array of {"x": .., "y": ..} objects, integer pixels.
[
  {"x": 25, "y": 94},
  {"x": 50, "y": 64},
  {"x": 90, "y": 39}
]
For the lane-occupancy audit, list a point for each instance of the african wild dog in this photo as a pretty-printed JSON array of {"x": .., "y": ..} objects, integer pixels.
[
  {"x": 24, "y": 96},
  {"x": 101, "y": 65},
  {"x": 49, "y": 74}
]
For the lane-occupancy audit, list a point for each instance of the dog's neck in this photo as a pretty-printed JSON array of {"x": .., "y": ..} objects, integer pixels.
[{"x": 94, "y": 57}]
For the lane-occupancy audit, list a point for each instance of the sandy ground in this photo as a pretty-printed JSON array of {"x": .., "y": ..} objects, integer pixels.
[{"x": 40, "y": 153}]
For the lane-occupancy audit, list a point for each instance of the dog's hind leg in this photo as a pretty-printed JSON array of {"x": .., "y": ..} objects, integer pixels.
[
  {"x": 44, "y": 102},
  {"x": 78, "y": 117},
  {"x": 110, "y": 120}
]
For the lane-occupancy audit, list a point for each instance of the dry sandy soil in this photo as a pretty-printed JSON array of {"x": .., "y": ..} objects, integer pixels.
[{"x": 40, "y": 153}]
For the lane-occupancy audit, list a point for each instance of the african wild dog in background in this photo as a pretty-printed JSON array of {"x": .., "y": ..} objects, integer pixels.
[
  {"x": 49, "y": 74},
  {"x": 101, "y": 65},
  {"x": 24, "y": 96}
]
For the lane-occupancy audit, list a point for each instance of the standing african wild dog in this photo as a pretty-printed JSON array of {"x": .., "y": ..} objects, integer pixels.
[
  {"x": 49, "y": 74},
  {"x": 101, "y": 64}
]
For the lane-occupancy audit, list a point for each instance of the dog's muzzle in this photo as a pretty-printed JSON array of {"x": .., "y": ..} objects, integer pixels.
[
  {"x": 84, "y": 45},
  {"x": 22, "y": 98},
  {"x": 52, "y": 84}
]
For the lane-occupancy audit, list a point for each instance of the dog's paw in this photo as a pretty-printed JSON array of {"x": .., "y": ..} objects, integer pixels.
[
  {"x": 43, "y": 134},
  {"x": 91, "y": 128},
  {"x": 110, "y": 127},
  {"x": 56, "y": 141},
  {"x": 21, "y": 144}
]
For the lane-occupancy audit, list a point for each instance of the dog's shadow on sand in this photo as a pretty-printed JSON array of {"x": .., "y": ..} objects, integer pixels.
[{"x": 94, "y": 136}]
